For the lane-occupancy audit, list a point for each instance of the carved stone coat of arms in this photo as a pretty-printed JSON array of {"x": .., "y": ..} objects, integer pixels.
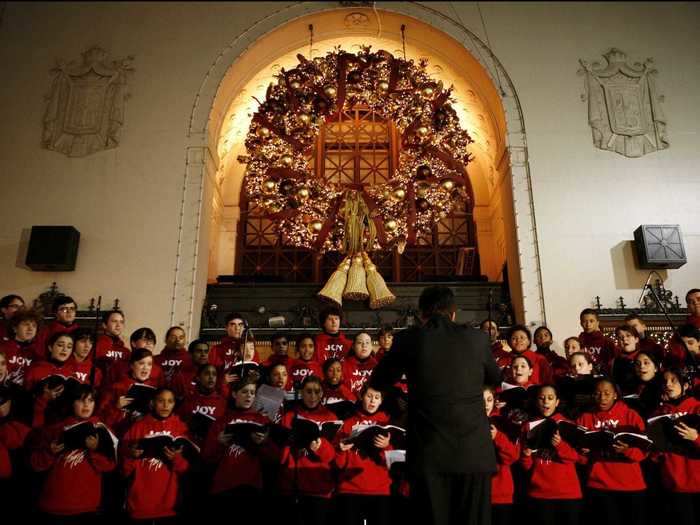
[
  {"x": 624, "y": 109},
  {"x": 86, "y": 106}
]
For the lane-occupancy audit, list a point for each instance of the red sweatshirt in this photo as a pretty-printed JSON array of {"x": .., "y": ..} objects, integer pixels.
[
  {"x": 172, "y": 361},
  {"x": 54, "y": 327},
  {"x": 507, "y": 453},
  {"x": 82, "y": 370},
  {"x": 12, "y": 436},
  {"x": 73, "y": 484},
  {"x": 313, "y": 469},
  {"x": 333, "y": 394},
  {"x": 500, "y": 355},
  {"x": 110, "y": 349},
  {"x": 237, "y": 466},
  {"x": 600, "y": 348},
  {"x": 359, "y": 474},
  {"x": 558, "y": 365},
  {"x": 223, "y": 355},
  {"x": 299, "y": 369},
  {"x": 356, "y": 372},
  {"x": 40, "y": 370},
  {"x": 681, "y": 473},
  {"x": 20, "y": 356},
  {"x": 331, "y": 346},
  {"x": 153, "y": 484},
  {"x": 210, "y": 405},
  {"x": 622, "y": 474},
  {"x": 552, "y": 477}
]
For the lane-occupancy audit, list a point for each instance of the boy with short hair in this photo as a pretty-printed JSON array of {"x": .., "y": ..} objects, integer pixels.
[
  {"x": 646, "y": 343},
  {"x": 64, "y": 309},
  {"x": 280, "y": 349},
  {"x": 230, "y": 349},
  {"x": 332, "y": 343},
  {"x": 600, "y": 348},
  {"x": 10, "y": 305},
  {"x": 22, "y": 350},
  {"x": 110, "y": 347}
]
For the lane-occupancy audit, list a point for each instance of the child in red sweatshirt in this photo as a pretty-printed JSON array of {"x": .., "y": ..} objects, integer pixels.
[
  {"x": 553, "y": 489},
  {"x": 237, "y": 459},
  {"x": 332, "y": 342},
  {"x": 73, "y": 482},
  {"x": 305, "y": 365},
  {"x": 358, "y": 365},
  {"x": 306, "y": 475},
  {"x": 615, "y": 487},
  {"x": 153, "y": 482},
  {"x": 680, "y": 472},
  {"x": 174, "y": 357},
  {"x": 507, "y": 452},
  {"x": 364, "y": 482},
  {"x": 203, "y": 405},
  {"x": 592, "y": 341}
]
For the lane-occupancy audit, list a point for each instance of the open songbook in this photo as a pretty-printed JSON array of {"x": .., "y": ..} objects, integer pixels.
[
  {"x": 362, "y": 436},
  {"x": 153, "y": 445},
  {"x": 600, "y": 440},
  {"x": 55, "y": 380},
  {"x": 662, "y": 431},
  {"x": 342, "y": 408},
  {"x": 240, "y": 430},
  {"x": 305, "y": 430},
  {"x": 74, "y": 437},
  {"x": 142, "y": 395}
]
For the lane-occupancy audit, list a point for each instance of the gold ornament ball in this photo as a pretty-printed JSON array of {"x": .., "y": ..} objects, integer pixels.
[
  {"x": 427, "y": 91},
  {"x": 286, "y": 160},
  {"x": 303, "y": 193},
  {"x": 269, "y": 186},
  {"x": 399, "y": 194},
  {"x": 315, "y": 226},
  {"x": 330, "y": 91},
  {"x": 422, "y": 131},
  {"x": 263, "y": 132},
  {"x": 305, "y": 118},
  {"x": 448, "y": 184},
  {"x": 294, "y": 84},
  {"x": 383, "y": 86},
  {"x": 391, "y": 225}
]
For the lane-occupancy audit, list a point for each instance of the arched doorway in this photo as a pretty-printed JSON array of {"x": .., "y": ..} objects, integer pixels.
[{"x": 503, "y": 217}]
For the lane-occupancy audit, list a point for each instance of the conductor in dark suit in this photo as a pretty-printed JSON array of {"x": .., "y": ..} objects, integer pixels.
[{"x": 450, "y": 456}]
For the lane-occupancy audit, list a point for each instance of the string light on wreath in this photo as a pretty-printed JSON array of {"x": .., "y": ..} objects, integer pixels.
[{"x": 429, "y": 181}]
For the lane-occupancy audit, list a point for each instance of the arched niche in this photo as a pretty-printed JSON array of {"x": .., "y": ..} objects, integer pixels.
[{"x": 488, "y": 108}]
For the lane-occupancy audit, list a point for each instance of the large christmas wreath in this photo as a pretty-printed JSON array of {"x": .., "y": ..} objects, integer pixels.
[{"x": 430, "y": 178}]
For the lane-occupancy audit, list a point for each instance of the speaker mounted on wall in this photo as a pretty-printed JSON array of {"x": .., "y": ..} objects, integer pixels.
[
  {"x": 53, "y": 248},
  {"x": 659, "y": 246}
]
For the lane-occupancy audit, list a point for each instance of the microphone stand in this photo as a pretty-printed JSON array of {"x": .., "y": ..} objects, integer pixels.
[{"x": 661, "y": 306}]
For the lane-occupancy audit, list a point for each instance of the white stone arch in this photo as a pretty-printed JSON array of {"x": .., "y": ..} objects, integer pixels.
[{"x": 202, "y": 164}]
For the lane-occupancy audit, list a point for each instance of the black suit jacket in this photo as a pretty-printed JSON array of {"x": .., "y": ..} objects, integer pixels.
[{"x": 446, "y": 366}]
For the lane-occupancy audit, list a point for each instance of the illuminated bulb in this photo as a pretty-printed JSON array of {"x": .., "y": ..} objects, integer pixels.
[
  {"x": 422, "y": 131},
  {"x": 391, "y": 225},
  {"x": 427, "y": 91},
  {"x": 294, "y": 84},
  {"x": 315, "y": 226},
  {"x": 383, "y": 86},
  {"x": 286, "y": 160},
  {"x": 305, "y": 118},
  {"x": 448, "y": 184},
  {"x": 422, "y": 189},
  {"x": 263, "y": 132},
  {"x": 269, "y": 186},
  {"x": 399, "y": 194},
  {"x": 303, "y": 193}
]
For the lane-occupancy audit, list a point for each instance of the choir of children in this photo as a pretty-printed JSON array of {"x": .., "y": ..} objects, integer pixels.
[{"x": 90, "y": 427}]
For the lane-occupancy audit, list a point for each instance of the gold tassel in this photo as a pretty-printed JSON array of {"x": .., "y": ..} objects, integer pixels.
[
  {"x": 356, "y": 287},
  {"x": 333, "y": 290},
  {"x": 379, "y": 293}
]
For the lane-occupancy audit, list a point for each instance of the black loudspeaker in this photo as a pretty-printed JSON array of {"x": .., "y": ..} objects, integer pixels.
[
  {"x": 659, "y": 246},
  {"x": 53, "y": 248}
]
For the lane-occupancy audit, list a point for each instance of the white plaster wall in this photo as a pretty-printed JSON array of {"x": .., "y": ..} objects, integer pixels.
[{"x": 126, "y": 202}]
